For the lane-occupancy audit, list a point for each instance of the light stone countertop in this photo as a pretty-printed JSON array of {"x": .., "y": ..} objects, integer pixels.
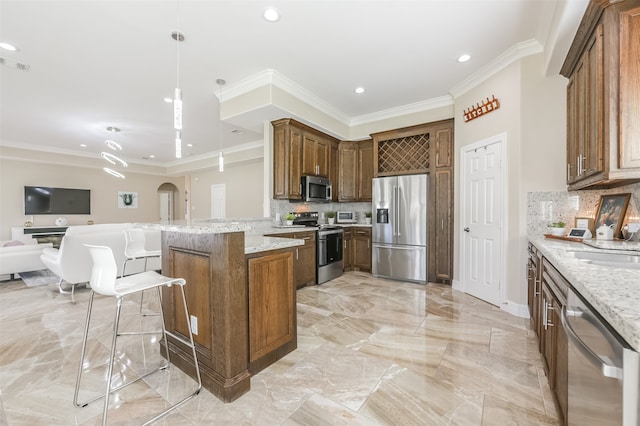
[
  {"x": 257, "y": 244},
  {"x": 613, "y": 292}
]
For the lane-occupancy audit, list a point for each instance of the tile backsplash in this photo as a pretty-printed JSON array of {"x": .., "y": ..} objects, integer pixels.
[
  {"x": 281, "y": 207},
  {"x": 546, "y": 207}
]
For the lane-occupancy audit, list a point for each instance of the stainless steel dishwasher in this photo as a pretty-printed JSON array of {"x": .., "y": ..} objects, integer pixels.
[{"x": 603, "y": 369}]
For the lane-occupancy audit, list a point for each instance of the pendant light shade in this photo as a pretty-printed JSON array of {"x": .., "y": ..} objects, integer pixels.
[{"x": 221, "y": 83}]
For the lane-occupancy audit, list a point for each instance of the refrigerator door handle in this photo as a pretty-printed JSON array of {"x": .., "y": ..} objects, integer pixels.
[
  {"x": 398, "y": 212},
  {"x": 394, "y": 211},
  {"x": 392, "y": 247}
]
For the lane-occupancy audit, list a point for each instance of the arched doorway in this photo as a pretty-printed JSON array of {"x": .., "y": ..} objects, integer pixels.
[{"x": 167, "y": 196}]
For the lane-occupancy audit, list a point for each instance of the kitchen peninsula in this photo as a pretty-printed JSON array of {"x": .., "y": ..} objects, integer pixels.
[{"x": 240, "y": 295}]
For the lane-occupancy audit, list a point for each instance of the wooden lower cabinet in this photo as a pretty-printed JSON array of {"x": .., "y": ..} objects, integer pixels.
[
  {"x": 534, "y": 296},
  {"x": 553, "y": 339},
  {"x": 362, "y": 249},
  {"x": 304, "y": 258},
  {"x": 356, "y": 253},
  {"x": 272, "y": 308},
  {"x": 347, "y": 250}
]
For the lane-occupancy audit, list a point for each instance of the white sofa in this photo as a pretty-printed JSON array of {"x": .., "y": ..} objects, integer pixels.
[
  {"x": 25, "y": 257},
  {"x": 72, "y": 261}
]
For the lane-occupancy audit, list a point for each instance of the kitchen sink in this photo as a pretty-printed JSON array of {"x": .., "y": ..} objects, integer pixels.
[{"x": 617, "y": 260}]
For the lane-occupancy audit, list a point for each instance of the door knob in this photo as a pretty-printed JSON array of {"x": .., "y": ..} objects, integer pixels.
[{"x": 466, "y": 229}]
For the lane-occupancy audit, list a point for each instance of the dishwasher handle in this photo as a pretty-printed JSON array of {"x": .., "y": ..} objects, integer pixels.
[{"x": 608, "y": 370}]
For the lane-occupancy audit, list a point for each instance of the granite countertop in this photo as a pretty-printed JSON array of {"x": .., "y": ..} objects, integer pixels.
[
  {"x": 256, "y": 244},
  {"x": 613, "y": 292}
]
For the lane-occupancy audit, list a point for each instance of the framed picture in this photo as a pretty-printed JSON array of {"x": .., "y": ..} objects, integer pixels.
[
  {"x": 611, "y": 211},
  {"x": 127, "y": 200}
]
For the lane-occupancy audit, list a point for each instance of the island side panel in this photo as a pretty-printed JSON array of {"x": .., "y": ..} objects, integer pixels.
[{"x": 214, "y": 268}]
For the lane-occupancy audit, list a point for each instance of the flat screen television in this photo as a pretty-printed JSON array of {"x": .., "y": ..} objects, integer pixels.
[{"x": 45, "y": 200}]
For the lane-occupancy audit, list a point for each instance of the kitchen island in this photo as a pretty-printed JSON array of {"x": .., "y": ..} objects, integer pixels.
[{"x": 241, "y": 299}]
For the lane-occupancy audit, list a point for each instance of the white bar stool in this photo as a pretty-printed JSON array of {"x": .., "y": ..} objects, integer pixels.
[
  {"x": 105, "y": 281},
  {"x": 134, "y": 249}
]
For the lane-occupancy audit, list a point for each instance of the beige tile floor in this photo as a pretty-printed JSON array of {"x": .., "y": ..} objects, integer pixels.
[{"x": 370, "y": 352}]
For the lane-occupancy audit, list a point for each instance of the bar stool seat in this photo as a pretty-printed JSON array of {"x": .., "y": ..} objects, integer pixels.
[{"x": 104, "y": 281}]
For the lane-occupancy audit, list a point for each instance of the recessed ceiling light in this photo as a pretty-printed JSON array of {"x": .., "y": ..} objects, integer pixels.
[
  {"x": 189, "y": 145},
  {"x": 7, "y": 46},
  {"x": 464, "y": 58},
  {"x": 359, "y": 90},
  {"x": 83, "y": 145},
  {"x": 112, "y": 129},
  {"x": 271, "y": 14},
  {"x": 168, "y": 100},
  {"x": 152, "y": 156}
]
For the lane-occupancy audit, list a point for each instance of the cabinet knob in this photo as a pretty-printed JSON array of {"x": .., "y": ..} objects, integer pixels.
[{"x": 466, "y": 229}]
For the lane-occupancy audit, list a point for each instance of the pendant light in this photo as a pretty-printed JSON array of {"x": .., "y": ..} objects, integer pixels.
[
  {"x": 221, "y": 83},
  {"x": 112, "y": 158},
  {"x": 177, "y": 98}
]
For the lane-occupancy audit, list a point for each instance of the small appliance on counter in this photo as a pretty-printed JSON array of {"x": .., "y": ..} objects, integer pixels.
[
  {"x": 346, "y": 217},
  {"x": 604, "y": 233}
]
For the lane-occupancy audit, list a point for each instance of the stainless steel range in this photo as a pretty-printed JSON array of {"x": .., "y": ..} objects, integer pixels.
[{"x": 329, "y": 246}]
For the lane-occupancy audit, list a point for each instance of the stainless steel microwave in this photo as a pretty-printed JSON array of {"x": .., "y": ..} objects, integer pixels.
[
  {"x": 346, "y": 217},
  {"x": 315, "y": 189}
]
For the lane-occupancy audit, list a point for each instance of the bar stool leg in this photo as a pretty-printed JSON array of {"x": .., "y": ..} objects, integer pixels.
[
  {"x": 111, "y": 360},
  {"x": 83, "y": 352}
]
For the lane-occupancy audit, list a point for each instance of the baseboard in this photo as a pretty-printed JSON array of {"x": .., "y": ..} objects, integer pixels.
[
  {"x": 455, "y": 284},
  {"x": 516, "y": 309}
]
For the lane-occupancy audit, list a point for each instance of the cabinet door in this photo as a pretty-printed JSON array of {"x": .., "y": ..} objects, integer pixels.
[
  {"x": 280, "y": 163},
  {"x": 305, "y": 262},
  {"x": 295, "y": 159},
  {"x": 362, "y": 249},
  {"x": 271, "y": 303},
  {"x": 365, "y": 170},
  {"x": 592, "y": 155},
  {"x": 572, "y": 135},
  {"x": 444, "y": 232},
  {"x": 347, "y": 251},
  {"x": 348, "y": 177},
  {"x": 334, "y": 169},
  {"x": 322, "y": 158},
  {"x": 629, "y": 89},
  {"x": 444, "y": 147},
  {"x": 309, "y": 161},
  {"x": 548, "y": 334}
]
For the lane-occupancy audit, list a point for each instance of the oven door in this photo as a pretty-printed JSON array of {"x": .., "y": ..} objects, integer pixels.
[{"x": 329, "y": 247}]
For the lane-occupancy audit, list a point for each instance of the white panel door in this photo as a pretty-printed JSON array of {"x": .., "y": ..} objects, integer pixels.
[
  {"x": 166, "y": 206},
  {"x": 218, "y": 207},
  {"x": 482, "y": 207}
]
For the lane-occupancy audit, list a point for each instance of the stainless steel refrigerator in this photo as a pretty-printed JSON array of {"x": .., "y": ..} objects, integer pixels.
[{"x": 399, "y": 235}]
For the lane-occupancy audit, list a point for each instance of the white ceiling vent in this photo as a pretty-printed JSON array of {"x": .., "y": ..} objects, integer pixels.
[{"x": 13, "y": 64}]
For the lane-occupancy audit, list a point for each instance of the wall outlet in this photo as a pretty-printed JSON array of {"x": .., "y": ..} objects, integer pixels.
[
  {"x": 194, "y": 324},
  {"x": 633, "y": 227}
]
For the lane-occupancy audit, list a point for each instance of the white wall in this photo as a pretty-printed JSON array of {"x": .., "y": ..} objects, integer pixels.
[
  {"x": 243, "y": 185},
  {"x": 532, "y": 114},
  {"x": 15, "y": 174}
]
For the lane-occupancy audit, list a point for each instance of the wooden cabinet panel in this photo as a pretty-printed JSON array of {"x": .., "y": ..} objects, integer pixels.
[
  {"x": 280, "y": 164},
  {"x": 630, "y": 89},
  {"x": 295, "y": 164},
  {"x": 365, "y": 170},
  {"x": 443, "y": 224},
  {"x": 315, "y": 155},
  {"x": 334, "y": 169},
  {"x": 444, "y": 147},
  {"x": 362, "y": 249},
  {"x": 534, "y": 269},
  {"x": 305, "y": 264},
  {"x": 348, "y": 178},
  {"x": 271, "y": 303},
  {"x": 347, "y": 250}
]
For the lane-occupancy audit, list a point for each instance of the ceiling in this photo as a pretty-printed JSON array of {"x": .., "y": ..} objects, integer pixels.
[{"x": 94, "y": 64}]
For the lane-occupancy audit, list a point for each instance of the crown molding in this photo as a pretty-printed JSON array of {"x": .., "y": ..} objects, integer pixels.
[
  {"x": 270, "y": 77},
  {"x": 511, "y": 55},
  {"x": 414, "y": 108}
]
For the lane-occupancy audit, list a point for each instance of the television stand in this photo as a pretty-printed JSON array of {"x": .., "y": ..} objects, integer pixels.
[{"x": 44, "y": 234}]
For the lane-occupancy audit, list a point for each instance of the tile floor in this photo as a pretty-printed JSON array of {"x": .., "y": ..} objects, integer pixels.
[{"x": 370, "y": 352}]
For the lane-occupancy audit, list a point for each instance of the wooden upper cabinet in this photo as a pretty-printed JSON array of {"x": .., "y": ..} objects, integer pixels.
[
  {"x": 315, "y": 155},
  {"x": 444, "y": 146},
  {"x": 603, "y": 97},
  {"x": 348, "y": 175},
  {"x": 300, "y": 150},
  {"x": 365, "y": 170},
  {"x": 334, "y": 169},
  {"x": 355, "y": 171}
]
